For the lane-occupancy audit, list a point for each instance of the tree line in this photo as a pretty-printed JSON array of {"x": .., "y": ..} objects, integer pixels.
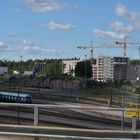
[{"x": 52, "y": 67}]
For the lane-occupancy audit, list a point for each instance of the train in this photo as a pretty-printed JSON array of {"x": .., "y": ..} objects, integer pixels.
[{"x": 13, "y": 97}]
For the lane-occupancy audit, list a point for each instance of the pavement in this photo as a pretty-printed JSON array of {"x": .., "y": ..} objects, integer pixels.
[{"x": 14, "y": 138}]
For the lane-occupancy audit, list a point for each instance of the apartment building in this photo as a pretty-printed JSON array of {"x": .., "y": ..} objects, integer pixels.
[
  {"x": 69, "y": 66},
  {"x": 120, "y": 68},
  {"x": 110, "y": 69},
  {"x": 103, "y": 70}
]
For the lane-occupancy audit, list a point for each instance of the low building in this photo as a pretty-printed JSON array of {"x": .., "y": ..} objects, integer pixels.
[
  {"x": 3, "y": 70},
  {"x": 28, "y": 73},
  {"x": 68, "y": 66}
]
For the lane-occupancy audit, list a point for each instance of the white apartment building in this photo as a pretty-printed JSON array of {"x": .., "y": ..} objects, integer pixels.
[
  {"x": 69, "y": 66},
  {"x": 104, "y": 69}
]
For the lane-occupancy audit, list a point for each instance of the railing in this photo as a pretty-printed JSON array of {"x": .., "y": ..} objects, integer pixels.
[{"x": 36, "y": 108}]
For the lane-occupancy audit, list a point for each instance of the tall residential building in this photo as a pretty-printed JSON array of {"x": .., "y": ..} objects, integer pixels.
[
  {"x": 110, "y": 69},
  {"x": 103, "y": 70},
  {"x": 69, "y": 66},
  {"x": 120, "y": 68}
]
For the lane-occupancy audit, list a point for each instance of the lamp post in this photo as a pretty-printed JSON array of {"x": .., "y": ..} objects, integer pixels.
[
  {"x": 138, "y": 80},
  {"x": 18, "y": 111},
  {"x": 85, "y": 69},
  {"x": 20, "y": 64},
  {"x": 138, "y": 83}
]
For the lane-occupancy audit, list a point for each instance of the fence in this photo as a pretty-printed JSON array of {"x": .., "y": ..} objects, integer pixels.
[{"x": 36, "y": 107}]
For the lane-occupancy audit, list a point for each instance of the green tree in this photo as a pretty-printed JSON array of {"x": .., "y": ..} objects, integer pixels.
[
  {"x": 83, "y": 69},
  {"x": 135, "y": 62},
  {"x": 52, "y": 69}
]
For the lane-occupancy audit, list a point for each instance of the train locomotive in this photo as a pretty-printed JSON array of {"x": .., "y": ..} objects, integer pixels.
[{"x": 13, "y": 97}]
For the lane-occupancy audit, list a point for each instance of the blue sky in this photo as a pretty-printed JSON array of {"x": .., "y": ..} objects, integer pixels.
[{"x": 38, "y": 29}]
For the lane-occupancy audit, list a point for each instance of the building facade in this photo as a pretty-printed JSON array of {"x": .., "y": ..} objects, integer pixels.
[
  {"x": 3, "y": 70},
  {"x": 120, "y": 68},
  {"x": 110, "y": 69},
  {"x": 133, "y": 72},
  {"x": 68, "y": 66},
  {"x": 103, "y": 70}
]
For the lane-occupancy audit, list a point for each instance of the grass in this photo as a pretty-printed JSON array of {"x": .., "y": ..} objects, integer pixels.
[{"x": 102, "y": 93}]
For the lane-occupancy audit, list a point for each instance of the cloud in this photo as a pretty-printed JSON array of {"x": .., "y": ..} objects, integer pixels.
[
  {"x": 29, "y": 47},
  {"x": 3, "y": 45},
  {"x": 13, "y": 34},
  {"x": 109, "y": 34},
  {"x": 57, "y": 26},
  {"x": 122, "y": 10},
  {"x": 120, "y": 26},
  {"x": 43, "y": 6}
]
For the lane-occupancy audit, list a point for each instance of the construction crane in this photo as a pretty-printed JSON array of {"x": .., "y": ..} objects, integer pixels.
[
  {"x": 91, "y": 47},
  {"x": 124, "y": 45},
  {"x": 91, "y": 51}
]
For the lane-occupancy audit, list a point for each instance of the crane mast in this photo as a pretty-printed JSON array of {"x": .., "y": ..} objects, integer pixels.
[
  {"x": 91, "y": 51},
  {"x": 124, "y": 45}
]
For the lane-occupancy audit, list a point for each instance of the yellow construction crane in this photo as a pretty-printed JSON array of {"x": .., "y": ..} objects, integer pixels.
[
  {"x": 91, "y": 51},
  {"x": 91, "y": 47},
  {"x": 124, "y": 45}
]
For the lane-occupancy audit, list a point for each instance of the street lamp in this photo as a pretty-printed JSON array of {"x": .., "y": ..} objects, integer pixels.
[
  {"x": 85, "y": 69},
  {"x": 138, "y": 80},
  {"x": 20, "y": 64},
  {"x": 138, "y": 83}
]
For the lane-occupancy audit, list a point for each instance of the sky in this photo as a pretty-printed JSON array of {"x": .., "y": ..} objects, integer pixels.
[{"x": 38, "y": 29}]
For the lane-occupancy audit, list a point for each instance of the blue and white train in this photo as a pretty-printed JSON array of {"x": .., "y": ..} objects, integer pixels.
[{"x": 13, "y": 97}]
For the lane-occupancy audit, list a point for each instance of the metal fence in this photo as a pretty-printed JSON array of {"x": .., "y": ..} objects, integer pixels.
[{"x": 92, "y": 133}]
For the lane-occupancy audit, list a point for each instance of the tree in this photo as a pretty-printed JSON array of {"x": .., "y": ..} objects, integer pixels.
[
  {"x": 52, "y": 69},
  {"x": 135, "y": 62},
  {"x": 83, "y": 69}
]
